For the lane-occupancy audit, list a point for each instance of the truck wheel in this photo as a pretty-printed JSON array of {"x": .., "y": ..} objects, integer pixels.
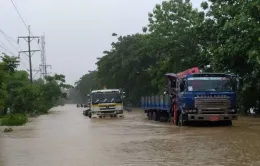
[
  {"x": 162, "y": 119},
  {"x": 181, "y": 121},
  {"x": 89, "y": 114},
  {"x": 155, "y": 116},
  {"x": 177, "y": 120},
  {"x": 149, "y": 115}
]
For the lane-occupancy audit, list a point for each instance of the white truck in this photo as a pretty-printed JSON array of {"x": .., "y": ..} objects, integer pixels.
[{"x": 105, "y": 102}]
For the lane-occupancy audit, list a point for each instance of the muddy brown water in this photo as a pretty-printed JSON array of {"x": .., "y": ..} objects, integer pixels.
[{"x": 67, "y": 138}]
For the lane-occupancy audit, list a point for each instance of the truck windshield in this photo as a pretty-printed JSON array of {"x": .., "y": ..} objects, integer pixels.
[
  {"x": 106, "y": 97},
  {"x": 209, "y": 84}
]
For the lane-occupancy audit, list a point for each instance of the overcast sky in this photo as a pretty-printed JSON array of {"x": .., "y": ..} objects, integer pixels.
[{"x": 76, "y": 31}]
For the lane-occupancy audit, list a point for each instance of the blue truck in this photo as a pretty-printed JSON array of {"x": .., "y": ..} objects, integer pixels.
[{"x": 194, "y": 96}]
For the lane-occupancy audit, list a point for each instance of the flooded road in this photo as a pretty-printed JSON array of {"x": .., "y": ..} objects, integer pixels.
[{"x": 67, "y": 138}]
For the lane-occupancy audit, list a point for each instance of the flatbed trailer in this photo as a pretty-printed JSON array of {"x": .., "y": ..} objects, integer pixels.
[{"x": 157, "y": 107}]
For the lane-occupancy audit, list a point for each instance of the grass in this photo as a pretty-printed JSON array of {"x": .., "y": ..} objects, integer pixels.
[{"x": 13, "y": 120}]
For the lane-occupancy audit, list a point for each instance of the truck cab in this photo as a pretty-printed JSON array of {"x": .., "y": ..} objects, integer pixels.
[
  {"x": 192, "y": 95},
  {"x": 106, "y": 102},
  {"x": 207, "y": 97}
]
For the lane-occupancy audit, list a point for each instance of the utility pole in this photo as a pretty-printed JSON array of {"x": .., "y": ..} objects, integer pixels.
[
  {"x": 30, "y": 52},
  {"x": 43, "y": 65}
]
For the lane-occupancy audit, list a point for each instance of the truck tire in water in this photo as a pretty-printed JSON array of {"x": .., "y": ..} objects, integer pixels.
[
  {"x": 163, "y": 119},
  {"x": 156, "y": 116},
  {"x": 149, "y": 114},
  {"x": 89, "y": 114},
  {"x": 177, "y": 120},
  {"x": 181, "y": 120}
]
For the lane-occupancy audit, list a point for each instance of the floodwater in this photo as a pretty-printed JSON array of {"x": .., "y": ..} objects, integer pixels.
[{"x": 67, "y": 138}]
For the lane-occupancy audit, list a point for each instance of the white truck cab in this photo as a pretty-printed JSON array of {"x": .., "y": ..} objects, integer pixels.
[{"x": 106, "y": 102}]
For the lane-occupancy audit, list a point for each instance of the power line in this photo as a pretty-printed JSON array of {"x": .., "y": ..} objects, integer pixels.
[
  {"x": 38, "y": 43},
  {"x": 6, "y": 48},
  {"x": 7, "y": 36},
  {"x": 28, "y": 39},
  {"x": 27, "y": 27},
  {"x": 37, "y": 72},
  {"x": 21, "y": 63},
  {"x": 9, "y": 41},
  {"x": 10, "y": 52},
  {"x": 20, "y": 15}
]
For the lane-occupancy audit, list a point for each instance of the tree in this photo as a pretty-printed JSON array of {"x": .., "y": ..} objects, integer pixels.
[
  {"x": 20, "y": 96},
  {"x": 137, "y": 63},
  {"x": 225, "y": 36},
  {"x": 232, "y": 30},
  {"x": 126, "y": 66},
  {"x": 173, "y": 39}
]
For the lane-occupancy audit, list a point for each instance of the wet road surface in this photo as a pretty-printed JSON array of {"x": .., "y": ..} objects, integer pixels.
[{"x": 67, "y": 138}]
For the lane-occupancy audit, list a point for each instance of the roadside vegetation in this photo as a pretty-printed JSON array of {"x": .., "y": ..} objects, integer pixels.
[
  {"x": 223, "y": 34},
  {"x": 20, "y": 99}
]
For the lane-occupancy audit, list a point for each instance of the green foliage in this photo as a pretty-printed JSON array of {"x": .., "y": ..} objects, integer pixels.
[
  {"x": 178, "y": 36},
  {"x": 22, "y": 97},
  {"x": 233, "y": 44},
  {"x": 13, "y": 120},
  {"x": 86, "y": 83}
]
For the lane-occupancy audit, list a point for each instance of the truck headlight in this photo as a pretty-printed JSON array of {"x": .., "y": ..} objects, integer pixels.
[
  {"x": 232, "y": 110},
  {"x": 192, "y": 111}
]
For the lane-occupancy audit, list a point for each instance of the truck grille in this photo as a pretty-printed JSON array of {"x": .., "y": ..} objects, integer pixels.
[
  {"x": 107, "y": 112},
  {"x": 212, "y": 104},
  {"x": 108, "y": 107}
]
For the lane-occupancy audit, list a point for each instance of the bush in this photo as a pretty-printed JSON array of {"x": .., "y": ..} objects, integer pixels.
[{"x": 13, "y": 120}]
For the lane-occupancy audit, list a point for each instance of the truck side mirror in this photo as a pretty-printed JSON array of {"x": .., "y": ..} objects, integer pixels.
[
  {"x": 235, "y": 83},
  {"x": 182, "y": 86},
  {"x": 88, "y": 95}
]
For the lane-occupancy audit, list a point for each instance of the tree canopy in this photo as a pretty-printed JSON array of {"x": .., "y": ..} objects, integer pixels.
[
  {"x": 20, "y": 96},
  {"x": 224, "y": 35}
]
